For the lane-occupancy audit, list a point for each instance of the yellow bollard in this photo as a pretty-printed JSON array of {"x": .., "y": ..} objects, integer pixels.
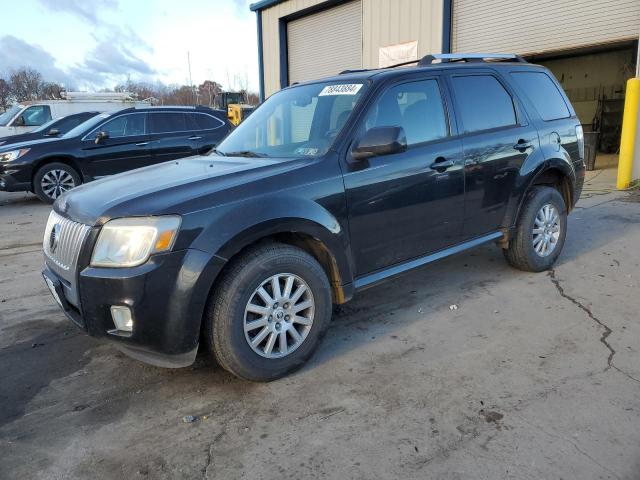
[{"x": 629, "y": 132}]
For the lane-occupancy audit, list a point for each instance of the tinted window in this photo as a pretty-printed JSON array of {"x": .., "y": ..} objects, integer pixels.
[
  {"x": 168, "y": 122},
  {"x": 543, "y": 93},
  {"x": 483, "y": 103},
  {"x": 36, "y": 115},
  {"x": 416, "y": 107},
  {"x": 201, "y": 121},
  {"x": 124, "y": 126}
]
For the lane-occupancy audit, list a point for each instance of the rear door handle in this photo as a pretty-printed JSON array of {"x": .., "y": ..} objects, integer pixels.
[
  {"x": 195, "y": 137},
  {"x": 522, "y": 145},
  {"x": 441, "y": 164},
  {"x": 142, "y": 144}
]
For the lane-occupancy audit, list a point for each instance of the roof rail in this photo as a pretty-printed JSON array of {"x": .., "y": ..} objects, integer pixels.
[
  {"x": 448, "y": 57},
  {"x": 468, "y": 57}
]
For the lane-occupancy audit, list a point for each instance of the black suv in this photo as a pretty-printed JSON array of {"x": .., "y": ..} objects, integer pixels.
[
  {"x": 108, "y": 144},
  {"x": 328, "y": 188}
]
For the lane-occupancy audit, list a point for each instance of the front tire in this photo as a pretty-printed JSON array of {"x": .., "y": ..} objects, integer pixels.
[
  {"x": 53, "y": 179},
  {"x": 269, "y": 312},
  {"x": 541, "y": 231}
]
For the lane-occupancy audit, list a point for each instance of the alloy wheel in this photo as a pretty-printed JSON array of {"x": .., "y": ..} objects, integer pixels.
[
  {"x": 546, "y": 230},
  {"x": 55, "y": 182},
  {"x": 279, "y": 315}
]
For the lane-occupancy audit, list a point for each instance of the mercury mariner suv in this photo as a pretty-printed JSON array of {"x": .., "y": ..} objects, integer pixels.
[{"x": 328, "y": 188}]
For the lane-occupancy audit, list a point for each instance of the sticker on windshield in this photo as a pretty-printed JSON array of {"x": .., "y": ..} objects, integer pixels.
[{"x": 342, "y": 89}]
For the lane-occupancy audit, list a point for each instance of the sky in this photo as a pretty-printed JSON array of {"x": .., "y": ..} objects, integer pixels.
[{"x": 93, "y": 44}]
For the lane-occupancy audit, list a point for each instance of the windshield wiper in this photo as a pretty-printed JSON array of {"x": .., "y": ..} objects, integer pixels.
[
  {"x": 218, "y": 152},
  {"x": 246, "y": 153}
]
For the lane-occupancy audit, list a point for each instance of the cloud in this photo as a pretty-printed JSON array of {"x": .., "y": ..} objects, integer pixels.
[
  {"x": 16, "y": 53},
  {"x": 88, "y": 10}
]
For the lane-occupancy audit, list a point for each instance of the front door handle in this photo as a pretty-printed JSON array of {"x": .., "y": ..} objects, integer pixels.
[
  {"x": 522, "y": 145},
  {"x": 142, "y": 144},
  {"x": 440, "y": 165},
  {"x": 195, "y": 137}
]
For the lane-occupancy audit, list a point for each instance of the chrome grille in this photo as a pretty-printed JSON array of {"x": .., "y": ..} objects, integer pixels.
[{"x": 63, "y": 246}]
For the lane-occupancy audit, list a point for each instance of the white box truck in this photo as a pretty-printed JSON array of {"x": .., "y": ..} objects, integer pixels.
[{"x": 26, "y": 116}]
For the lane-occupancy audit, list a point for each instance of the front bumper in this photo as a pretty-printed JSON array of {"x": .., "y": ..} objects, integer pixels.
[
  {"x": 15, "y": 176},
  {"x": 166, "y": 296}
]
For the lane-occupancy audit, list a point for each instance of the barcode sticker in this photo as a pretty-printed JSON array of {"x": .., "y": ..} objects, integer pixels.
[{"x": 342, "y": 89}]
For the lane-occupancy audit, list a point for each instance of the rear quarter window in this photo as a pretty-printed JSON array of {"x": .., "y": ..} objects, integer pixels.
[{"x": 543, "y": 93}]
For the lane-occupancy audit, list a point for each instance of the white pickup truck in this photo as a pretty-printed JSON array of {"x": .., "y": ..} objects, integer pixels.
[{"x": 26, "y": 116}]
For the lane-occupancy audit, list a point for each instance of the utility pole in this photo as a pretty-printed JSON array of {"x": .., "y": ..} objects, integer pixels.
[{"x": 190, "y": 79}]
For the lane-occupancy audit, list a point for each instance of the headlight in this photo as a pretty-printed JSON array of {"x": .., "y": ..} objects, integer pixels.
[
  {"x": 127, "y": 242},
  {"x": 13, "y": 154}
]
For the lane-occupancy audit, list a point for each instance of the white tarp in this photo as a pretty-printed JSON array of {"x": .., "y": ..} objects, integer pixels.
[{"x": 399, "y": 53}]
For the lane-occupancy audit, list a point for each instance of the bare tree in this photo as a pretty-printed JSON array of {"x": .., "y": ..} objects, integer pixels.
[
  {"x": 5, "y": 94},
  {"x": 25, "y": 84}
]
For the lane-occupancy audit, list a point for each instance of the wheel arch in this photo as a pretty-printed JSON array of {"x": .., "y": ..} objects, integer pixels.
[
  {"x": 308, "y": 235},
  {"x": 66, "y": 159},
  {"x": 556, "y": 173}
]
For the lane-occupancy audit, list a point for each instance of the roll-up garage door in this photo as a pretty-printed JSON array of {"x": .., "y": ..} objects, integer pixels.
[
  {"x": 325, "y": 43},
  {"x": 537, "y": 26}
]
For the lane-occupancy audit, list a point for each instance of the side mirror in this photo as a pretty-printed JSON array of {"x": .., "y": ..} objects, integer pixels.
[
  {"x": 100, "y": 136},
  {"x": 19, "y": 122},
  {"x": 53, "y": 132},
  {"x": 379, "y": 141}
]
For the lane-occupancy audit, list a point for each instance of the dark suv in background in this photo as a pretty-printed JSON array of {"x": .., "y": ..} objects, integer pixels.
[
  {"x": 108, "y": 144},
  {"x": 328, "y": 188}
]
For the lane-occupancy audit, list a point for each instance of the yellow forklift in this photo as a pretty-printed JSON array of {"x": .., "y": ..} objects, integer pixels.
[{"x": 235, "y": 103}]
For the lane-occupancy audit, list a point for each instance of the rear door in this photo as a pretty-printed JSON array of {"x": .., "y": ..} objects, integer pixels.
[
  {"x": 127, "y": 146},
  {"x": 407, "y": 204},
  {"x": 206, "y": 131},
  {"x": 497, "y": 139},
  {"x": 171, "y": 136}
]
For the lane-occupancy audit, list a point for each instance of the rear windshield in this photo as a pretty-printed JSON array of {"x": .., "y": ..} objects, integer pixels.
[{"x": 543, "y": 93}]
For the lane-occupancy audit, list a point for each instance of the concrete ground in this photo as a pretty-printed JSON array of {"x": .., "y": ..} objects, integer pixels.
[{"x": 533, "y": 376}]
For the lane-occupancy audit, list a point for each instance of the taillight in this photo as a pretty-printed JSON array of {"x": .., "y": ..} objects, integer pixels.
[{"x": 580, "y": 136}]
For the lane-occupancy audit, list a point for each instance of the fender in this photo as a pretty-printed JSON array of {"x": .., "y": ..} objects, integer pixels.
[
  {"x": 562, "y": 165},
  {"x": 247, "y": 222}
]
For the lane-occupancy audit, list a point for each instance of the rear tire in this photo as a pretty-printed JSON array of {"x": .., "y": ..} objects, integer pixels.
[
  {"x": 53, "y": 179},
  {"x": 256, "y": 327},
  {"x": 541, "y": 231}
]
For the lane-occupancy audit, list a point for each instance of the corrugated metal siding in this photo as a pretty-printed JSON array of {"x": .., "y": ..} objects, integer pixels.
[
  {"x": 537, "y": 26},
  {"x": 325, "y": 43},
  {"x": 271, "y": 39},
  {"x": 384, "y": 22},
  {"x": 389, "y": 22}
]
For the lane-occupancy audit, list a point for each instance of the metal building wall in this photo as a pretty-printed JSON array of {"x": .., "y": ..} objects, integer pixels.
[
  {"x": 389, "y": 22},
  {"x": 384, "y": 22},
  {"x": 536, "y": 26}
]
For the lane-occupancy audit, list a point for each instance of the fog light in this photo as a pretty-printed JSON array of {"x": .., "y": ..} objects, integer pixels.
[{"x": 122, "y": 318}]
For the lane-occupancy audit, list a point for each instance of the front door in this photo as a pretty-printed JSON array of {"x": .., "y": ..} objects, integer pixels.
[
  {"x": 125, "y": 148},
  {"x": 498, "y": 139},
  {"x": 408, "y": 204}
]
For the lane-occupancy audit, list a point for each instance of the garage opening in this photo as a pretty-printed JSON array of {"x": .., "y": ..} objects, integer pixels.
[
  {"x": 325, "y": 43},
  {"x": 594, "y": 80}
]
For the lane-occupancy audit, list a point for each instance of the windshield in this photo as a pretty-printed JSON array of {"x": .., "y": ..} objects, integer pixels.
[
  {"x": 86, "y": 126},
  {"x": 298, "y": 121},
  {"x": 9, "y": 114},
  {"x": 45, "y": 126}
]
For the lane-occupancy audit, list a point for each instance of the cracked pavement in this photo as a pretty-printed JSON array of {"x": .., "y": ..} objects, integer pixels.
[{"x": 532, "y": 376}]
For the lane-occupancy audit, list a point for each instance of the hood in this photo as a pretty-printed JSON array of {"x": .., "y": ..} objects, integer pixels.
[
  {"x": 25, "y": 144},
  {"x": 174, "y": 187},
  {"x": 22, "y": 137}
]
